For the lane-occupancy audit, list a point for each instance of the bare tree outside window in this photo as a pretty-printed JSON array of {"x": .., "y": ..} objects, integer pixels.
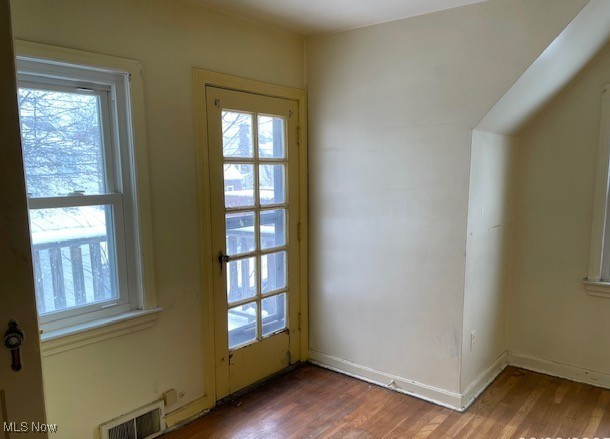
[{"x": 62, "y": 142}]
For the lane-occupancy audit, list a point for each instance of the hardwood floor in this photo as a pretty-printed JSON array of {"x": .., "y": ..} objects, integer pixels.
[{"x": 311, "y": 402}]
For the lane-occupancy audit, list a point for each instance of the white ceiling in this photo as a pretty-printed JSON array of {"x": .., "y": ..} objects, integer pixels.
[{"x": 314, "y": 17}]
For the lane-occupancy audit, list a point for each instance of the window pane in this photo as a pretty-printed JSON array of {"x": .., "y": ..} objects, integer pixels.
[
  {"x": 239, "y": 185},
  {"x": 274, "y": 314},
  {"x": 273, "y": 271},
  {"x": 241, "y": 279},
  {"x": 271, "y": 137},
  {"x": 272, "y": 184},
  {"x": 242, "y": 324},
  {"x": 73, "y": 254},
  {"x": 273, "y": 228},
  {"x": 237, "y": 134},
  {"x": 62, "y": 142},
  {"x": 240, "y": 233}
]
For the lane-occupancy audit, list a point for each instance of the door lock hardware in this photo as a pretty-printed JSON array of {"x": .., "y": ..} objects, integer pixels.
[
  {"x": 223, "y": 259},
  {"x": 13, "y": 339}
]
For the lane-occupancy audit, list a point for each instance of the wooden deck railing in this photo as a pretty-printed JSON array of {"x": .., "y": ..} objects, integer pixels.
[
  {"x": 87, "y": 279},
  {"x": 240, "y": 233}
]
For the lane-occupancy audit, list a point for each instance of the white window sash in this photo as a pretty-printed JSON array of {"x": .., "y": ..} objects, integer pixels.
[
  {"x": 117, "y": 243},
  {"x": 73, "y": 201},
  {"x": 114, "y": 129}
]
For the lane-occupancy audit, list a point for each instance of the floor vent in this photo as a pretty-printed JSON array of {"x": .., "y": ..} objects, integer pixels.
[{"x": 145, "y": 423}]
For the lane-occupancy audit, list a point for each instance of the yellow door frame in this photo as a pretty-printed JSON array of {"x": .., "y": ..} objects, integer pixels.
[{"x": 201, "y": 79}]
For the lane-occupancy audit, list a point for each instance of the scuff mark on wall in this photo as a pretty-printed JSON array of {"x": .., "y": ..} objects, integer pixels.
[{"x": 456, "y": 339}]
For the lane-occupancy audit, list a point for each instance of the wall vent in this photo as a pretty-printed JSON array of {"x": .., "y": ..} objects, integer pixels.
[{"x": 145, "y": 423}]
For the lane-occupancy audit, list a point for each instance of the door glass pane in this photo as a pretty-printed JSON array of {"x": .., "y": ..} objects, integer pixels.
[
  {"x": 271, "y": 137},
  {"x": 73, "y": 255},
  {"x": 241, "y": 279},
  {"x": 239, "y": 184},
  {"x": 272, "y": 184},
  {"x": 242, "y": 324},
  {"x": 273, "y": 228},
  {"x": 240, "y": 233},
  {"x": 237, "y": 134},
  {"x": 273, "y": 269},
  {"x": 62, "y": 143},
  {"x": 274, "y": 314}
]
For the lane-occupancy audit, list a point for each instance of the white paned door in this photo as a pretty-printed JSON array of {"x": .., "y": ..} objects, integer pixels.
[{"x": 255, "y": 219}]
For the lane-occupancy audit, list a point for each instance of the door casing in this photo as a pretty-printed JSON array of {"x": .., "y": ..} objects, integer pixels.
[
  {"x": 201, "y": 79},
  {"x": 21, "y": 393}
]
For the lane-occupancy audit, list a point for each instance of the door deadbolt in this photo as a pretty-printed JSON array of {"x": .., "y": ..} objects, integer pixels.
[{"x": 13, "y": 339}]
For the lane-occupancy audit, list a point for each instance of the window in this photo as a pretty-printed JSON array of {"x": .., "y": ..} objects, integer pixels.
[
  {"x": 597, "y": 282},
  {"x": 83, "y": 191}
]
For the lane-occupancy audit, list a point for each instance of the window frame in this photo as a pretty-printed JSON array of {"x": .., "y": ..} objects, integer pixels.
[
  {"x": 119, "y": 81},
  {"x": 33, "y": 75},
  {"x": 597, "y": 282}
]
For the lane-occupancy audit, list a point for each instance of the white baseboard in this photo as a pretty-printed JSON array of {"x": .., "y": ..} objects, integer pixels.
[
  {"x": 454, "y": 400},
  {"x": 560, "y": 370},
  {"x": 442, "y": 397},
  {"x": 482, "y": 381},
  {"x": 433, "y": 394}
]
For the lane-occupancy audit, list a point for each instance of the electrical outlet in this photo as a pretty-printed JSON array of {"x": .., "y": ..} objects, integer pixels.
[{"x": 473, "y": 339}]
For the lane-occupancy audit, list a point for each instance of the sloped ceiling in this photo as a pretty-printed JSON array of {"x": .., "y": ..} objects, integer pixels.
[
  {"x": 573, "y": 48},
  {"x": 314, "y": 17},
  {"x": 553, "y": 69}
]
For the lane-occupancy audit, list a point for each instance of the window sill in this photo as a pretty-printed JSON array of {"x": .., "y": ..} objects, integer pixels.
[
  {"x": 76, "y": 336},
  {"x": 597, "y": 288}
]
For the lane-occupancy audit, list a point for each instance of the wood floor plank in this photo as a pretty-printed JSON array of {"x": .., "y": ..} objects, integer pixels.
[
  {"x": 356, "y": 423},
  {"x": 311, "y": 402},
  {"x": 490, "y": 398},
  {"x": 517, "y": 421},
  {"x": 429, "y": 429},
  {"x": 560, "y": 408},
  {"x": 410, "y": 427},
  {"x": 585, "y": 411},
  {"x": 597, "y": 414},
  {"x": 400, "y": 409},
  {"x": 571, "y": 410}
]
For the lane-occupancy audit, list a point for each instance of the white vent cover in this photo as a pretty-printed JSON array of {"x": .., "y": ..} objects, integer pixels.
[{"x": 145, "y": 423}]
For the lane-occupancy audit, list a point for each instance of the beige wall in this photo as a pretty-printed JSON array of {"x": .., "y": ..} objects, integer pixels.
[
  {"x": 95, "y": 383},
  {"x": 492, "y": 163},
  {"x": 392, "y": 107},
  {"x": 551, "y": 316}
]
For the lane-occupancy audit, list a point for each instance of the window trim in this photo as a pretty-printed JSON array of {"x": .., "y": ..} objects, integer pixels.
[
  {"x": 597, "y": 282},
  {"x": 35, "y": 75},
  {"x": 91, "y": 65}
]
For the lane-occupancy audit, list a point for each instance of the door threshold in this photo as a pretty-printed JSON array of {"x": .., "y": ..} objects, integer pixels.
[{"x": 257, "y": 384}]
